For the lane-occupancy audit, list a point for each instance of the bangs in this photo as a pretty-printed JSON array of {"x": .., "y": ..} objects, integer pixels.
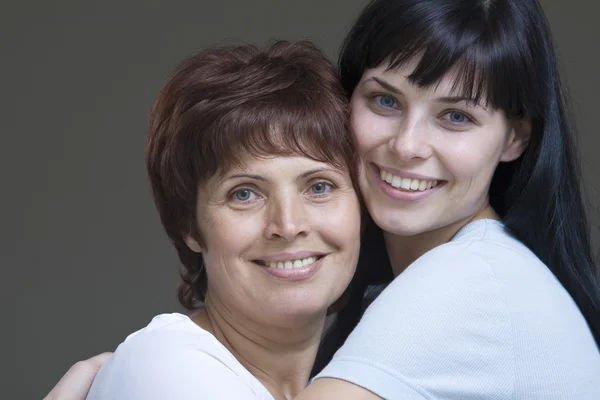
[
  {"x": 282, "y": 123},
  {"x": 485, "y": 62},
  {"x": 278, "y": 131}
]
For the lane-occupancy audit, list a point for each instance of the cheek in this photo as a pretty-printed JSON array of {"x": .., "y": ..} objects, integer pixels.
[
  {"x": 228, "y": 236},
  {"x": 472, "y": 162},
  {"x": 476, "y": 149},
  {"x": 341, "y": 224},
  {"x": 368, "y": 130},
  {"x": 226, "y": 245}
]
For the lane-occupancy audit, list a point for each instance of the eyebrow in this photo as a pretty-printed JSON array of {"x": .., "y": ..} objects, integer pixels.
[
  {"x": 457, "y": 99},
  {"x": 301, "y": 176},
  {"x": 444, "y": 99},
  {"x": 318, "y": 170},
  {"x": 248, "y": 176},
  {"x": 384, "y": 84}
]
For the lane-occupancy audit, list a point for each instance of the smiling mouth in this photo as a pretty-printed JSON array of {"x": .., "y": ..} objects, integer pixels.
[
  {"x": 408, "y": 184},
  {"x": 289, "y": 264}
]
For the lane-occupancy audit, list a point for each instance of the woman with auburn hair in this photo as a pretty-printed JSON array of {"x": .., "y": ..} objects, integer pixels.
[{"x": 251, "y": 168}]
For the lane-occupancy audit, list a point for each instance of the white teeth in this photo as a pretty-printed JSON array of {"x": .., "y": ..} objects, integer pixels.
[
  {"x": 407, "y": 183},
  {"x": 291, "y": 264}
]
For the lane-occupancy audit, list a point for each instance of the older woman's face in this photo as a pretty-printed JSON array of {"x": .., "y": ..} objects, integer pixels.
[{"x": 281, "y": 237}]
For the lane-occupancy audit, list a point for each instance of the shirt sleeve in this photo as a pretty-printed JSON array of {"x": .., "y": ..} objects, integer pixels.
[
  {"x": 150, "y": 369},
  {"x": 440, "y": 330}
]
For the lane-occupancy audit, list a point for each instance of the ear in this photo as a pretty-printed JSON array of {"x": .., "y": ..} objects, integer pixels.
[
  {"x": 518, "y": 139},
  {"x": 193, "y": 244}
]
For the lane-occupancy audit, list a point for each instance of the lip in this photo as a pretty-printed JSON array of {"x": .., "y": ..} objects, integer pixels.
[
  {"x": 403, "y": 174},
  {"x": 402, "y": 195},
  {"x": 299, "y": 274}
]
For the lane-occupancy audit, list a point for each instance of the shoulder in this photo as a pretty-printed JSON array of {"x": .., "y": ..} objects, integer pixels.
[
  {"x": 481, "y": 251},
  {"x": 455, "y": 283},
  {"x": 172, "y": 337},
  {"x": 172, "y": 358},
  {"x": 458, "y": 282},
  {"x": 444, "y": 316},
  {"x": 447, "y": 269}
]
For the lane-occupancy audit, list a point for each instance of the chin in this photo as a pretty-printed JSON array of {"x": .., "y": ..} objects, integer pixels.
[
  {"x": 292, "y": 317},
  {"x": 398, "y": 223},
  {"x": 300, "y": 305}
]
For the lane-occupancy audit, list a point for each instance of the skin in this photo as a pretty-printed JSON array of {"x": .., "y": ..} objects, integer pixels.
[
  {"x": 76, "y": 383},
  {"x": 433, "y": 134}
]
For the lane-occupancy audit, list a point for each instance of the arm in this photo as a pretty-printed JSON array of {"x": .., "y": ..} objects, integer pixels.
[
  {"x": 440, "y": 330},
  {"x": 75, "y": 384},
  {"x": 328, "y": 388}
]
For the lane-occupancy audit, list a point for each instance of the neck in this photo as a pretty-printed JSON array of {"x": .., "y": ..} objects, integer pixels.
[
  {"x": 404, "y": 250},
  {"x": 280, "y": 357}
]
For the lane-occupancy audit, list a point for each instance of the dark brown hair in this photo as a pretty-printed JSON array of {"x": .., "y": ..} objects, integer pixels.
[{"x": 226, "y": 103}]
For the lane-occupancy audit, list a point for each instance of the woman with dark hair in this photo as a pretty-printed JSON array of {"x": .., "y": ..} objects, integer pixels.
[{"x": 469, "y": 171}]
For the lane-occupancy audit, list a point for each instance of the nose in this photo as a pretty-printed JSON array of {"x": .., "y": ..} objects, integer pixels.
[
  {"x": 287, "y": 218},
  {"x": 411, "y": 140}
]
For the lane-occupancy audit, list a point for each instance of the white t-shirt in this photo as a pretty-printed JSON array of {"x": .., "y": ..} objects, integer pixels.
[
  {"x": 173, "y": 358},
  {"x": 480, "y": 317}
]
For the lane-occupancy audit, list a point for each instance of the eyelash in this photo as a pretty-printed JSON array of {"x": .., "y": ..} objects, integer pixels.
[
  {"x": 377, "y": 97},
  {"x": 237, "y": 190},
  {"x": 464, "y": 114},
  {"x": 326, "y": 183}
]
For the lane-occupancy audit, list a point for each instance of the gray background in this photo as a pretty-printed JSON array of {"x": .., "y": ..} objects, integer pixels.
[{"x": 84, "y": 258}]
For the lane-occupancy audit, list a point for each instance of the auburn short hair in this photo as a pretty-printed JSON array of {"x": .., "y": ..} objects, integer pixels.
[{"x": 225, "y": 103}]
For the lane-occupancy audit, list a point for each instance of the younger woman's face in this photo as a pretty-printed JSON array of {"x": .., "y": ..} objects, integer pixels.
[{"x": 427, "y": 154}]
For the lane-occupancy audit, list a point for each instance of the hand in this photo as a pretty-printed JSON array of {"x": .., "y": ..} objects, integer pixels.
[{"x": 76, "y": 383}]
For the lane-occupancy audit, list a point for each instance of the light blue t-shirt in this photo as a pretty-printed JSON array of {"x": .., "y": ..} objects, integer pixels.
[{"x": 480, "y": 317}]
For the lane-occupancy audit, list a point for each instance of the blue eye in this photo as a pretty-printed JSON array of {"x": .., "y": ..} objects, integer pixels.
[
  {"x": 385, "y": 101},
  {"x": 243, "y": 195},
  {"x": 457, "y": 117},
  {"x": 321, "y": 188}
]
